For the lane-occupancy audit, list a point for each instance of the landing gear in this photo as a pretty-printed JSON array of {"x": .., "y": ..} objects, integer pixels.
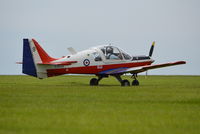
[
  {"x": 123, "y": 82},
  {"x": 135, "y": 81},
  {"x": 95, "y": 81}
]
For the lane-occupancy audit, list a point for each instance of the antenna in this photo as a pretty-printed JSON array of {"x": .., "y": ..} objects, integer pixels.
[{"x": 146, "y": 74}]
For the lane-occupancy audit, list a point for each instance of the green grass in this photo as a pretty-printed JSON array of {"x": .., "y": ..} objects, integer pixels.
[{"x": 68, "y": 105}]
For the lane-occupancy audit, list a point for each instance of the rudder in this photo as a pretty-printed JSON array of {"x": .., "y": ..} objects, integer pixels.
[{"x": 28, "y": 66}]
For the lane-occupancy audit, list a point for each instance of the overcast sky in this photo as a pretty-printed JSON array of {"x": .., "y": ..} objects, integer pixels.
[{"x": 129, "y": 24}]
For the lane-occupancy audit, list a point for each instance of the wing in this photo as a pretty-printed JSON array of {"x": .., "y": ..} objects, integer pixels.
[
  {"x": 135, "y": 70},
  {"x": 149, "y": 67}
]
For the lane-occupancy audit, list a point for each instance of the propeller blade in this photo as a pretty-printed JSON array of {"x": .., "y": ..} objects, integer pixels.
[{"x": 151, "y": 50}]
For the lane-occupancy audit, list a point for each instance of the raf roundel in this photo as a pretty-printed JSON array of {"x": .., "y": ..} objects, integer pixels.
[{"x": 86, "y": 62}]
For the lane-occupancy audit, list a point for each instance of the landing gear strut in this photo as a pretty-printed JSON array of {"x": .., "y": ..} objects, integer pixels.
[
  {"x": 135, "y": 81},
  {"x": 123, "y": 82}
]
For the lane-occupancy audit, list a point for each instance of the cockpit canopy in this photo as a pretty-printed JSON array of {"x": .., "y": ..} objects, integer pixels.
[{"x": 114, "y": 53}]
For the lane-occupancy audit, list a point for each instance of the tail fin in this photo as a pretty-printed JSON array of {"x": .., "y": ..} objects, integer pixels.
[
  {"x": 28, "y": 66},
  {"x": 45, "y": 58},
  {"x": 33, "y": 54}
]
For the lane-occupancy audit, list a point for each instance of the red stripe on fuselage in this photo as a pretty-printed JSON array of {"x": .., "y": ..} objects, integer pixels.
[{"x": 93, "y": 69}]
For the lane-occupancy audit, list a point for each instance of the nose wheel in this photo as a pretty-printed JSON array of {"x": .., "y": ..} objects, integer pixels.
[{"x": 135, "y": 81}]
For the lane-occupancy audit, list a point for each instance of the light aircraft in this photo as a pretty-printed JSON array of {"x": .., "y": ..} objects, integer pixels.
[{"x": 102, "y": 61}]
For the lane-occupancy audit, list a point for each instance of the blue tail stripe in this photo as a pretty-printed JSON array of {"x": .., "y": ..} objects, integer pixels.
[{"x": 28, "y": 66}]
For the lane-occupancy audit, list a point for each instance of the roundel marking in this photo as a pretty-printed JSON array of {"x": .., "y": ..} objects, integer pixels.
[
  {"x": 34, "y": 49},
  {"x": 86, "y": 62}
]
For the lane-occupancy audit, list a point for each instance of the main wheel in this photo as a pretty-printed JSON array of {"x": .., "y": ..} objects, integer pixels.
[
  {"x": 125, "y": 83},
  {"x": 94, "y": 82},
  {"x": 135, "y": 83}
]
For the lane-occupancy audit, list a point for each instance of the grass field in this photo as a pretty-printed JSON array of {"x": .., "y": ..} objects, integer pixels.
[{"x": 68, "y": 105}]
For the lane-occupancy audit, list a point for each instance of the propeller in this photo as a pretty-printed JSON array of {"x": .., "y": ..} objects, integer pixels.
[
  {"x": 151, "y": 49},
  {"x": 150, "y": 54}
]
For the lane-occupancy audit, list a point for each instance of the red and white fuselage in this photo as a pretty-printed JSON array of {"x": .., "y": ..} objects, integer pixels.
[{"x": 101, "y": 60}]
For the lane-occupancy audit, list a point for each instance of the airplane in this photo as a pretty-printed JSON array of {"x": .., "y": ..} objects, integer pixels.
[{"x": 102, "y": 61}]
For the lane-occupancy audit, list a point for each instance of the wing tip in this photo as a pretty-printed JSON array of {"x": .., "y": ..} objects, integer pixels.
[{"x": 180, "y": 62}]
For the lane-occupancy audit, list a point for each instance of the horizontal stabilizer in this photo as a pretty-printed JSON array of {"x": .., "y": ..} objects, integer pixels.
[
  {"x": 59, "y": 63},
  {"x": 19, "y": 62}
]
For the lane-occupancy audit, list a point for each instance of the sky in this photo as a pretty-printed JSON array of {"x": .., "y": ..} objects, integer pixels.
[{"x": 129, "y": 24}]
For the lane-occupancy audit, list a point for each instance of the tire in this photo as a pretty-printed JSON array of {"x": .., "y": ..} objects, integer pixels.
[
  {"x": 94, "y": 82},
  {"x": 135, "y": 83},
  {"x": 125, "y": 83}
]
